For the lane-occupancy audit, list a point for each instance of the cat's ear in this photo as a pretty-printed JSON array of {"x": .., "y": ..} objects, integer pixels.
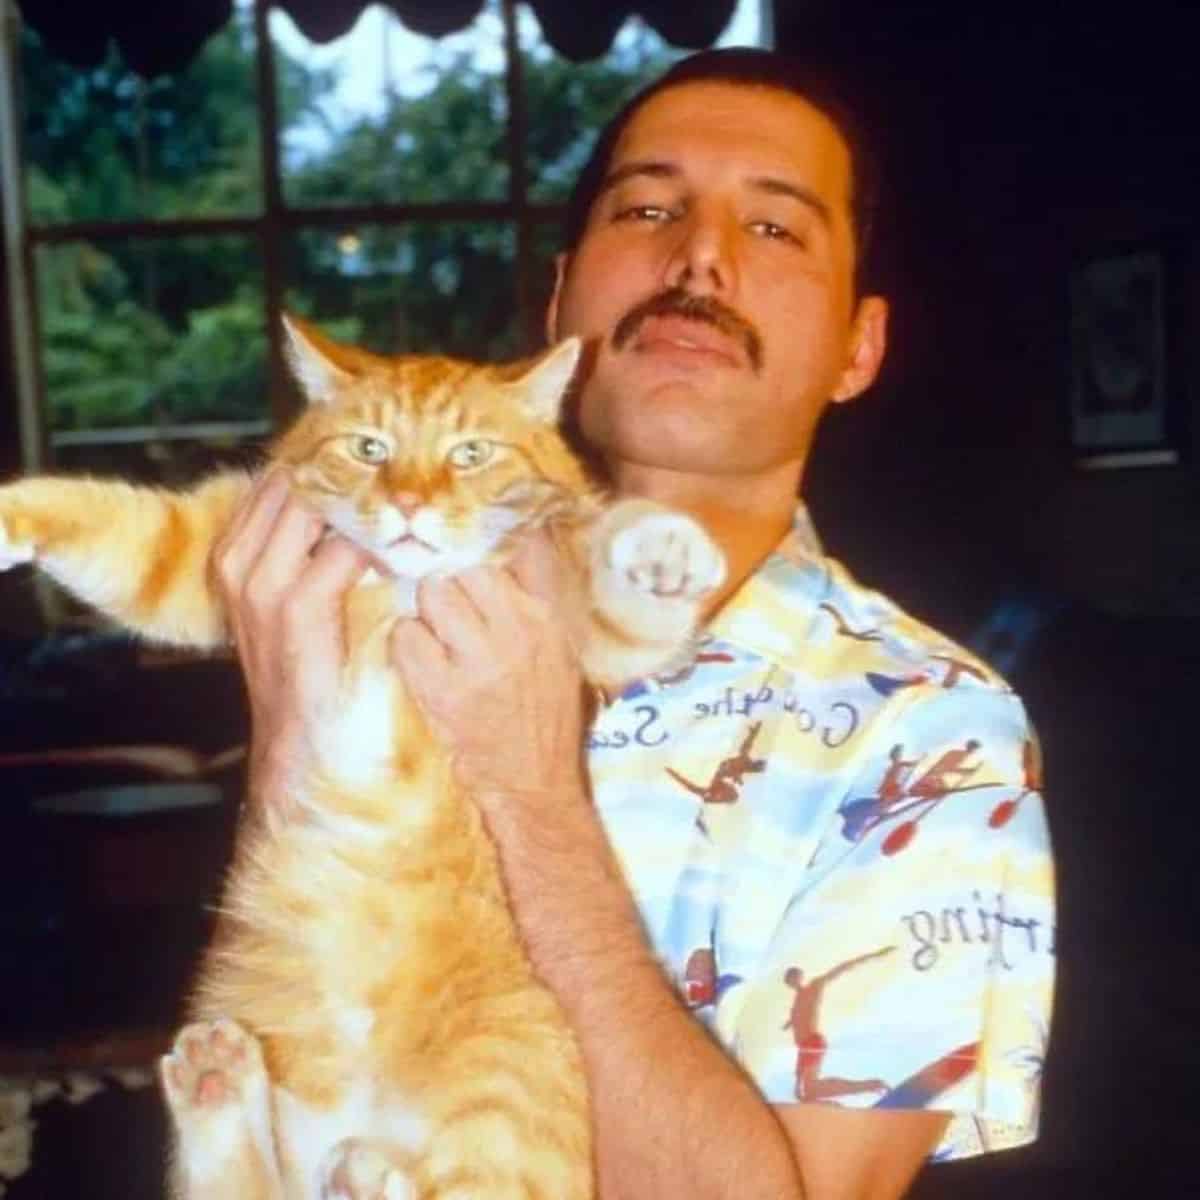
[
  {"x": 544, "y": 385},
  {"x": 319, "y": 364}
]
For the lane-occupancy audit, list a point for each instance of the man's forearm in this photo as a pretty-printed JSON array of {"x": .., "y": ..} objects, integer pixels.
[{"x": 674, "y": 1116}]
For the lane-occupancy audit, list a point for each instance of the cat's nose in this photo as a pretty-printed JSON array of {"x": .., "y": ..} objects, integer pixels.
[{"x": 407, "y": 502}]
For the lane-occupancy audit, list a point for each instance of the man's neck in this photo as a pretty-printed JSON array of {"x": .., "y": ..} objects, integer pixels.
[{"x": 746, "y": 515}]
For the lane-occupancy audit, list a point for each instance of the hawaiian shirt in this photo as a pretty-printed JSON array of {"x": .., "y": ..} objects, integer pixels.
[{"x": 831, "y": 822}]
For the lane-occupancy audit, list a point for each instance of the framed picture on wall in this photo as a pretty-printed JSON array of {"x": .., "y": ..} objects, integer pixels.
[{"x": 1127, "y": 406}]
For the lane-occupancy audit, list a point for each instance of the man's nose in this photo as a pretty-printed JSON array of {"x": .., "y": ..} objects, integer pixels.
[{"x": 703, "y": 259}]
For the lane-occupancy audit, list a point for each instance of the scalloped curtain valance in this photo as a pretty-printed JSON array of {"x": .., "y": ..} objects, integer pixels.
[{"x": 157, "y": 37}]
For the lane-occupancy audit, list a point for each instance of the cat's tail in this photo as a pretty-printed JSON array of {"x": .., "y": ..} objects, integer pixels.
[{"x": 138, "y": 554}]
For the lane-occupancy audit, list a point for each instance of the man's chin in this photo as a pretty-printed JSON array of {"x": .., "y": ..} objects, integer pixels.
[{"x": 658, "y": 448}]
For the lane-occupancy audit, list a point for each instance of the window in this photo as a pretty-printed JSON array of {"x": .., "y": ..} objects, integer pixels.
[{"x": 402, "y": 191}]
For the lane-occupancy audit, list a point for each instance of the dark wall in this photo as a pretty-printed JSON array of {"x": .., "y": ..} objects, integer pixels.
[{"x": 1015, "y": 137}]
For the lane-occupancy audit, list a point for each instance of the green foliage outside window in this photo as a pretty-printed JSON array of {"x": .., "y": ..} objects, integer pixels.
[{"x": 168, "y": 331}]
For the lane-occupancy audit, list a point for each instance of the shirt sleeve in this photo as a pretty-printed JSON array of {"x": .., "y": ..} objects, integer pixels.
[{"x": 913, "y": 966}]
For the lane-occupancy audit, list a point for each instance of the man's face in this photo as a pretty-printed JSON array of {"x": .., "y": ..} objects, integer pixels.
[{"x": 716, "y": 275}]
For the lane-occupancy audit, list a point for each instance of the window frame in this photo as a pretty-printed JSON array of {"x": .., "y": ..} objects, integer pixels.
[
  {"x": 275, "y": 222},
  {"x": 269, "y": 228}
]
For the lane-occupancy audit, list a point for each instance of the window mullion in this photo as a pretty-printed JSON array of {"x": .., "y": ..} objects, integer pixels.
[
  {"x": 272, "y": 223},
  {"x": 18, "y": 256},
  {"x": 518, "y": 181}
]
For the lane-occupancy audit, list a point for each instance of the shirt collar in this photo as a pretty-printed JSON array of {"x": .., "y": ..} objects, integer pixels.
[{"x": 769, "y": 614}]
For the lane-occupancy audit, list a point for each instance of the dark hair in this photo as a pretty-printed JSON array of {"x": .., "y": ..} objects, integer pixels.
[{"x": 751, "y": 67}]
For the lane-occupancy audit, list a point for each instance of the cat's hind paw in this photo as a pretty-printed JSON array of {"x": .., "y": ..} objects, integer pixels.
[
  {"x": 356, "y": 1170},
  {"x": 667, "y": 555},
  {"x": 217, "y": 1090},
  {"x": 13, "y": 553},
  {"x": 214, "y": 1066}
]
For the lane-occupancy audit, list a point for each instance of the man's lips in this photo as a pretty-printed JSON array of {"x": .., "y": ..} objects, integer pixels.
[{"x": 682, "y": 334}]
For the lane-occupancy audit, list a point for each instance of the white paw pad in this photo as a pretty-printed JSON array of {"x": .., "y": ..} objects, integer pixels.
[
  {"x": 13, "y": 554},
  {"x": 667, "y": 555}
]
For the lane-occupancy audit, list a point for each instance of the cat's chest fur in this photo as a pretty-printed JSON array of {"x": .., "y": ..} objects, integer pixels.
[
  {"x": 349, "y": 911},
  {"x": 372, "y": 733}
]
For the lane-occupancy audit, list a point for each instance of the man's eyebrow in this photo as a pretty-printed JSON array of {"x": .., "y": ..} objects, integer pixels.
[
  {"x": 654, "y": 168},
  {"x": 806, "y": 196}
]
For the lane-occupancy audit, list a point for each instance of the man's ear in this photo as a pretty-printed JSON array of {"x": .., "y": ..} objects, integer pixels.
[
  {"x": 868, "y": 343},
  {"x": 560, "y": 273}
]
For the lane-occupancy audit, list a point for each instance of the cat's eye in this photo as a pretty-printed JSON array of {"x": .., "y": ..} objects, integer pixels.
[
  {"x": 369, "y": 450},
  {"x": 470, "y": 454}
]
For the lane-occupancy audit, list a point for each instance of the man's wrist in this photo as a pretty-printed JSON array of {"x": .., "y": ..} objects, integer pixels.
[
  {"x": 520, "y": 814},
  {"x": 274, "y": 769},
  {"x": 570, "y": 900}
]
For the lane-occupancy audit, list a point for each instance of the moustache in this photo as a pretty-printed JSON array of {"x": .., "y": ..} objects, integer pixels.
[{"x": 677, "y": 302}]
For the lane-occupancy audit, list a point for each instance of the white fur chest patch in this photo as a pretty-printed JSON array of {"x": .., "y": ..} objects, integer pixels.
[
  {"x": 354, "y": 1026},
  {"x": 355, "y": 744}
]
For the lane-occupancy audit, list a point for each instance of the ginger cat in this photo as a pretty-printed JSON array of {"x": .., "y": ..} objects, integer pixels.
[{"x": 368, "y": 1026}]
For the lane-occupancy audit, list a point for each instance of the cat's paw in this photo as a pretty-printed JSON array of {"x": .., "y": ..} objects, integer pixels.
[
  {"x": 667, "y": 555},
  {"x": 13, "y": 553},
  {"x": 214, "y": 1066},
  {"x": 356, "y": 1170}
]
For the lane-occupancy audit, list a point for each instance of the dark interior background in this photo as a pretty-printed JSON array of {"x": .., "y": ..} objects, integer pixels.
[
  {"x": 1017, "y": 137},
  {"x": 1020, "y": 137}
]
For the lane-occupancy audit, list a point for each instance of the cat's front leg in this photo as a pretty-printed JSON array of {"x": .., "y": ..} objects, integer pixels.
[
  {"x": 14, "y": 551},
  {"x": 219, "y": 1097},
  {"x": 138, "y": 554},
  {"x": 652, "y": 569}
]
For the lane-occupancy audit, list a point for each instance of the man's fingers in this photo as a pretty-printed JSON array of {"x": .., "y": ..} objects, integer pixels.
[
  {"x": 496, "y": 597},
  {"x": 537, "y": 566},
  {"x": 262, "y": 502},
  {"x": 417, "y": 652},
  {"x": 285, "y": 553},
  {"x": 239, "y": 545},
  {"x": 453, "y": 618},
  {"x": 335, "y": 564},
  {"x": 312, "y": 603}
]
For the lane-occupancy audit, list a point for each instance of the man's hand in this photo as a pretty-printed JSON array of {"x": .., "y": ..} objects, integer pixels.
[
  {"x": 282, "y": 586},
  {"x": 490, "y": 660}
]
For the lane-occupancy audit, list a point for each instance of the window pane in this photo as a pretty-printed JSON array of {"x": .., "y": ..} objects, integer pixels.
[
  {"x": 568, "y": 102},
  {"x": 444, "y": 287},
  {"x": 383, "y": 115},
  {"x": 106, "y": 144},
  {"x": 151, "y": 333}
]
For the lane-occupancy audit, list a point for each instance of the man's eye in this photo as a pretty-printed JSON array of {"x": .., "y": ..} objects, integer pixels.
[
  {"x": 776, "y": 233},
  {"x": 642, "y": 212},
  {"x": 369, "y": 450}
]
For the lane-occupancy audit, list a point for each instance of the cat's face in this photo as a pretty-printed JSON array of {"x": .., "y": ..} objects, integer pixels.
[{"x": 428, "y": 463}]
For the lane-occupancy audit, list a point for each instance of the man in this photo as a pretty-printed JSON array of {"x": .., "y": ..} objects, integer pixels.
[{"x": 711, "y": 262}]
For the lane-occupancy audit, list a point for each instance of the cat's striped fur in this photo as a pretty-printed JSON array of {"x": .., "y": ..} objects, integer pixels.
[{"x": 367, "y": 1024}]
